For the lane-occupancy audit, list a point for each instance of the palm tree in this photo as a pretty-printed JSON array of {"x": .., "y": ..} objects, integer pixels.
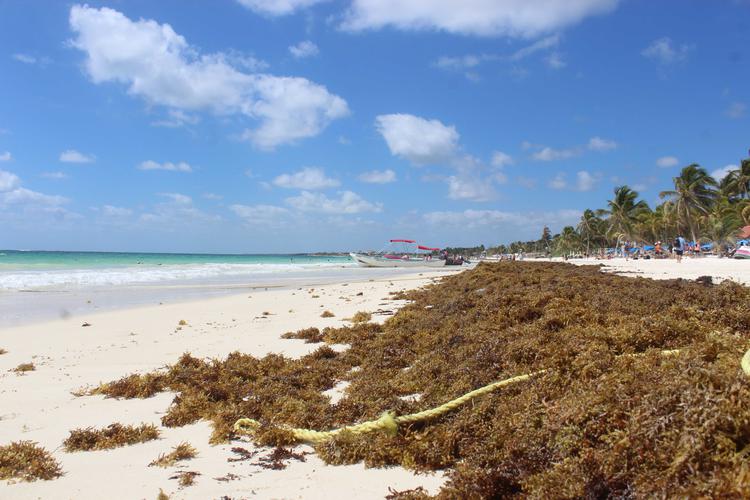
[
  {"x": 569, "y": 241},
  {"x": 737, "y": 182},
  {"x": 622, "y": 212},
  {"x": 720, "y": 225},
  {"x": 693, "y": 196},
  {"x": 590, "y": 228}
]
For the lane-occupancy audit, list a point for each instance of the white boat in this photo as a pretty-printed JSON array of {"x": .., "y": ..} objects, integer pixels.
[
  {"x": 403, "y": 258},
  {"x": 742, "y": 252},
  {"x": 382, "y": 261}
]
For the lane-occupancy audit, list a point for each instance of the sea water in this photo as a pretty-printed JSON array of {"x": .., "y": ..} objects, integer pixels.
[{"x": 37, "y": 286}]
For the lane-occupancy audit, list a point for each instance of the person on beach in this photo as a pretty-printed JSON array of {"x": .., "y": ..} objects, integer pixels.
[
  {"x": 626, "y": 249},
  {"x": 657, "y": 249},
  {"x": 679, "y": 247}
]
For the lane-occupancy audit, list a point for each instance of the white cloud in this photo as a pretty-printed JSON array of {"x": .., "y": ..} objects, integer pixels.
[
  {"x": 54, "y": 175},
  {"x": 8, "y": 181},
  {"x": 665, "y": 52},
  {"x": 539, "y": 45},
  {"x": 307, "y": 178},
  {"x": 6, "y": 156},
  {"x": 550, "y": 154},
  {"x": 459, "y": 62},
  {"x": 158, "y": 65},
  {"x": 418, "y": 140},
  {"x": 585, "y": 181},
  {"x": 73, "y": 156},
  {"x": 177, "y": 118},
  {"x": 500, "y": 159},
  {"x": 465, "y": 186},
  {"x": 378, "y": 176},
  {"x": 112, "y": 211},
  {"x": 521, "y": 18},
  {"x": 722, "y": 172},
  {"x": 558, "y": 182},
  {"x": 167, "y": 165},
  {"x": 21, "y": 195},
  {"x": 599, "y": 144},
  {"x": 555, "y": 61},
  {"x": 277, "y": 7},
  {"x": 212, "y": 196},
  {"x": 178, "y": 199},
  {"x": 25, "y": 58},
  {"x": 470, "y": 219},
  {"x": 736, "y": 110},
  {"x": 260, "y": 215},
  {"x": 304, "y": 49},
  {"x": 348, "y": 202},
  {"x": 667, "y": 161}
]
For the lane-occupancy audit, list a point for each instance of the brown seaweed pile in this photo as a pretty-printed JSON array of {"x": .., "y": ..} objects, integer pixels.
[
  {"x": 27, "y": 461},
  {"x": 112, "y": 436},
  {"x": 598, "y": 424},
  {"x": 183, "y": 451}
]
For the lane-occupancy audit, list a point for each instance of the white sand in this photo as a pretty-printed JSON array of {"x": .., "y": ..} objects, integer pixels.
[
  {"x": 690, "y": 268},
  {"x": 39, "y": 406}
]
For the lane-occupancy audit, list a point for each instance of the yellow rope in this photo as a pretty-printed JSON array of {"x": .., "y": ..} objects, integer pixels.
[{"x": 389, "y": 423}]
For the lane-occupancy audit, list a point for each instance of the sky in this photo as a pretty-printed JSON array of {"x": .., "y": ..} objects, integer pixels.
[{"x": 253, "y": 126}]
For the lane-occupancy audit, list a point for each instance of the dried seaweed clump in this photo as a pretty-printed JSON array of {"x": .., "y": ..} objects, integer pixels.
[
  {"x": 27, "y": 461},
  {"x": 113, "y": 436},
  {"x": 327, "y": 314},
  {"x": 186, "y": 478},
  {"x": 361, "y": 317},
  {"x": 600, "y": 423},
  {"x": 309, "y": 335},
  {"x": 183, "y": 451},
  {"x": 3, "y": 351},
  {"x": 24, "y": 367}
]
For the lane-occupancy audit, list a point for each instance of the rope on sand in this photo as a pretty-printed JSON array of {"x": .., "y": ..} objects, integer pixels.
[{"x": 389, "y": 422}]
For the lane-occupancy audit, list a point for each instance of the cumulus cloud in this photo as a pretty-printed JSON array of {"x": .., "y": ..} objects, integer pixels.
[
  {"x": 12, "y": 193},
  {"x": 722, "y": 172},
  {"x": 347, "y": 202},
  {"x": 176, "y": 118},
  {"x": 260, "y": 215},
  {"x": 113, "y": 211},
  {"x": 585, "y": 181},
  {"x": 665, "y": 52},
  {"x": 378, "y": 176},
  {"x": 547, "y": 153},
  {"x": 73, "y": 156},
  {"x": 599, "y": 144},
  {"x": 54, "y": 175},
  {"x": 168, "y": 165},
  {"x": 667, "y": 162},
  {"x": 6, "y": 156},
  {"x": 419, "y": 140},
  {"x": 466, "y": 186},
  {"x": 158, "y": 65},
  {"x": 178, "y": 209},
  {"x": 304, "y": 49},
  {"x": 276, "y": 8},
  {"x": 736, "y": 110},
  {"x": 493, "y": 218},
  {"x": 500, "y": 159},
  {"x": 307, "y": 178},
  {"x": 518, "y": 18}
]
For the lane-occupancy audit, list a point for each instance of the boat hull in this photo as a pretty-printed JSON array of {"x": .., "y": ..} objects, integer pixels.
[{"x": 370, "y": 261}]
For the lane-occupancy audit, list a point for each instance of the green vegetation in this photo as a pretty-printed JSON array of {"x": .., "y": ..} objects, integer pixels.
[
  {"x": 698, "y": 207},
  {"x": 27, "y": 461},
  {"x": 598, "y": 424},
  {"x": 112, "y": 436}
]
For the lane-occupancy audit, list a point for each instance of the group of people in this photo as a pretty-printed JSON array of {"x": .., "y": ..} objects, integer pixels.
[{"x": 676, "y": 248}]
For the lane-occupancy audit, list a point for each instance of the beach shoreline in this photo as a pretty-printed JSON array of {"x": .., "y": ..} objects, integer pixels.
[{"x": 69, "y": 356}]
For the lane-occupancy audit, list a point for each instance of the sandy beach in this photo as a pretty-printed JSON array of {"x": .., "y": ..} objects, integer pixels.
[{"x": 40, "y": 405}]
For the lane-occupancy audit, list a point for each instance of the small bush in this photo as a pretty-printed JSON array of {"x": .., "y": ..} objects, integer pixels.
[
  {"x": 27, "y": 461},
  {"x": 113, "y": 436}
]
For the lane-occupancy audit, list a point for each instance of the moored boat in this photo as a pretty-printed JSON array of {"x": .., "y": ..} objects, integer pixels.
[{"x": 404, "y": 258}]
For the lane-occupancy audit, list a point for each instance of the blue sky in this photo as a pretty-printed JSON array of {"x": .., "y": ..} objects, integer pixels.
[{"x": 306, "y": 125}]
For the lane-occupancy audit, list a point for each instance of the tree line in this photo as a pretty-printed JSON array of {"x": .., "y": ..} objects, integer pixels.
[{"x": 699, "y": 208}]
